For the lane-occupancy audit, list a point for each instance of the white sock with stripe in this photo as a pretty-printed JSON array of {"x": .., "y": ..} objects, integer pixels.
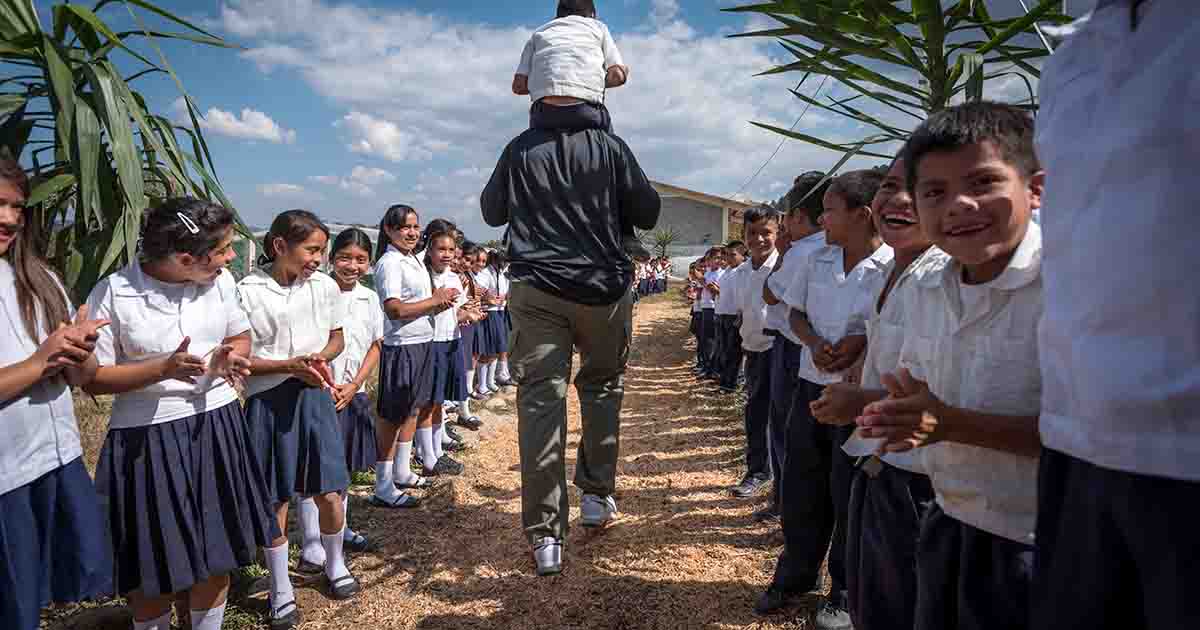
[
  {"x": 210, "y": 619},
  {"x": 162, "y": 623},
  {"x": 310, "y": 529},
  {"x": 281, "y": 583}
]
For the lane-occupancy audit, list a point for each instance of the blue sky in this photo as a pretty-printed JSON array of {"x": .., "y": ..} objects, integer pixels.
[{"x": 348, "y": 106}]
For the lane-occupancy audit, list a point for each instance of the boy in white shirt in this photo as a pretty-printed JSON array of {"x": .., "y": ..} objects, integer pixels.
[
  {"x": 830, "y": 298},
  {"x": 1119, "y": 343},
  {"x": 729, "y": 341},
  {"x": 761, "y": 228},
  {"x": 708, "y": 319},
  {"x": 968, "y": 391},
  {"x": 802, "y": 235}
]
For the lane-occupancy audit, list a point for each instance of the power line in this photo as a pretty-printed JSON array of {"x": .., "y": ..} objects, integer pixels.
[{"x": 807, "y": 105}]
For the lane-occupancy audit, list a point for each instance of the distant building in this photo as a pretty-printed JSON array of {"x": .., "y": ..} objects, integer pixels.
[{"x": 702, "y": 220}]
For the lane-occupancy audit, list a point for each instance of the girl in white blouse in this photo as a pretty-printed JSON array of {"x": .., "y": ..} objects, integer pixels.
[
  {"x": 186, "y": 499},
  {"x": 449, "y": 382},
  {"x": 52, "y": 546},
  {"x": 296, "y": 317}
]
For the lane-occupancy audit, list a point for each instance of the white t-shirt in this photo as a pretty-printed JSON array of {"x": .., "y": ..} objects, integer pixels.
[
  {"x": 796, "y": 256},
  {"x": 404, "y": 277},
  {"x": 1120, "y": 341},
  {"x": 149, "y": 320},
  {"x": 885, "y": 338},
  {"x": 752, "y": 306},
  {"x": 39, "y": 429},
  {"x": 287, "y": 322},
  {"x": 569, "y": 56},
  {"x": 362, "y": 327},
  {"x": 837, "y": 303},
  {"x": 730, "y": 283},
  {"x": 445, "y": 323},
  {"x": 707, "y": 299},
  {"x": 982, "y": 357},
  {"x": 488, "y": 278}
]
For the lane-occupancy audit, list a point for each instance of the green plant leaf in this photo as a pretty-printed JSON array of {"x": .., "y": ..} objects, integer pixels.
[
  {"x": 161, "y": 12},
  {"x": 10, "y": 103},
  {"x": 49, "y": 187},
  {"x": 825, "y": 144},
  {"x": 115, "y": 118},
  {"x": 1021, "y": 24},
  {"x": 87, "y": 150},
  {"x": 17, "y": 17}
]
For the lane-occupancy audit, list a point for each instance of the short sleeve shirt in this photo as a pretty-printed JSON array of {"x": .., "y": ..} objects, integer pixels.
[
  {"x": 362, "y": 327},
  {"x": 445, "y": 323},
  {"x": 569, "y": 56},
  {"x": 150, "y": 319},
  {"x": 404, "y": 277},
  {"x": 753, "y": 308},
  {"x": 727, "y": 301},
  {"x": 796, "y": 257}
]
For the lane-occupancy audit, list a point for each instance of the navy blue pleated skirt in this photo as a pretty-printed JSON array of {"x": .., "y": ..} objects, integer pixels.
[
  {"x": 449, "y": 373},
  {"x": 494, "y": 331},
  {"x": 186, "y": 501},
  {"x": 358, "y": 434},
  {"x": 467, "y": 343},
  {"x": 405, "y": 380},
  {"x": 294, "y": 432},
  {"x": 52, "y": 545}
]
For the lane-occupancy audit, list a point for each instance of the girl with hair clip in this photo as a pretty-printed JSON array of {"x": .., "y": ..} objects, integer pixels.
[
  {"x": 297, "y": 315},
  {"x": 405, "y": 375},
  {"x": 471, "y": 333},
  {"x": 52, "y": 545},
  {"x": 449, "y": 381},
  {"x": 361, "y": 331},
  {"x": 186, "y": 499}
]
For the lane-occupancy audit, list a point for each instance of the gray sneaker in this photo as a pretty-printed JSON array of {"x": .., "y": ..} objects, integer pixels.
[
  {"x": 547, "y": 556},
  {"x": 597, "y": 511},
  {"x": 833, "y": 617}
]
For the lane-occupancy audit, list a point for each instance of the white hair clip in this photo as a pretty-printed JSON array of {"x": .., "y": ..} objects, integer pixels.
[{"x": 188, "y": 223}]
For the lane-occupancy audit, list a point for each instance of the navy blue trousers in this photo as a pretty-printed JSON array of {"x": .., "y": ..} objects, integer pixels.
[
  {"x": 969, "y": 579},
  {"x": 785, "y": 363},
  {"x": 708, "y": 340},
  {"x": 730, "y": 362},
  {"x": 757, "y": 413},
  {"x": 815, "y": 494},
  {"x": 884, "y": 523},
  {"x": 1115, "y": 550}
]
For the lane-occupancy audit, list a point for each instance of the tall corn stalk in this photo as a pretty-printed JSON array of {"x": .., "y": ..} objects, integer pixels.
[
  {"x": 97, "y": 155},
  {"x": 908, "y": 58}
]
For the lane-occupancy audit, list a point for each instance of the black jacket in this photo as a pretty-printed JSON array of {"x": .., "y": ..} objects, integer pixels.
[{"x": 564, "y": 194}]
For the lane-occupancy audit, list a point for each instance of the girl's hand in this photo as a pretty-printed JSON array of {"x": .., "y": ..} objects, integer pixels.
[
  {"x": 445, "y": 296},
  {"x": 182, "y": 366},
  {"x": 70, "y": 345},
  {"x": 226, "y": 363},
  {"x": 344, "y": 394},
  {"x": 311, "y": 369}
]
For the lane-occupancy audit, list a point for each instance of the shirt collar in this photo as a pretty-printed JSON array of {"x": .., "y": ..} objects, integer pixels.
[
  {"x": 1024, "y": 268},
  {"x": 262, "y": 277}
]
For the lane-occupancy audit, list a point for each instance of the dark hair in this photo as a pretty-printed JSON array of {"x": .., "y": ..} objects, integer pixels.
[
  {"x": 294, "y": 227},
  {"x": 761, "y": 213},
  {"x": 807, "y": 195},
  {"x": 1009, "y": 128},
  {"x": 858, "y": 188},
  {"x": 436, "y": 227},
  {"x": 737, "y": 247},
  {"x": 393, "y": 218},
  {"x": 352, "y": 237},
  {"x": 39, "y": 293},
  {"x": 497, "y": 258},
  {"x": 167, "y": 229},
  {"x": 470, "y": 248},
  {"x": 582, "y": 8}
]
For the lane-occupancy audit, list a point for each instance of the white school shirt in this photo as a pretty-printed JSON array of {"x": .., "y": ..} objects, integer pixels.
[
  {"x": 794, "y": 259},
  {"x": 885, "y": 339},
  {"x": 1120, "y": 341},
  {"x": 752, "y": 306},
  {"x": 837, "y": 303},
  {"x": 488, "y": 279},
  {"x": 362, "y": 327},
  {"x": 503, "y": 286},
  {"x": 730, "y": 283},
  {"x": 149, "y": 320},
  {"x": 287, "y": 322},
  {"x": 976, "y": 347},
  {"x": 445, "y": 323},
  {"x": 39, "y": 431},
  {"x": 707, "y": 299},
  {"x": 404, "y": 277},
  {"x": 569, "y": 56}
]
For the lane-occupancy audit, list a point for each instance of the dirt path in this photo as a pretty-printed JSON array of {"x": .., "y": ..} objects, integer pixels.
[{"x": 685, "y": 553}]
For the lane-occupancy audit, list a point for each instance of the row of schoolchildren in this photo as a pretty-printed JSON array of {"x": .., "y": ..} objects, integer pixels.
[
  {"x": 191, "y": 484},
  {"x": 650, "y": 277},
  {"x": 904, "y": 303}
]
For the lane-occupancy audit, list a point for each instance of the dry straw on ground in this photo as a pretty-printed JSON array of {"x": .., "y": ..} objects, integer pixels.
[{"x": 685, "y": 553}]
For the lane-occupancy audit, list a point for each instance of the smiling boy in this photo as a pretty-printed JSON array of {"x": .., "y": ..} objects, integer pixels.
[{"x": 968, "y": 390}]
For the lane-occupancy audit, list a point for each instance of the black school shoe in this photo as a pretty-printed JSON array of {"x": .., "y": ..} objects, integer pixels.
[
  {"x": 446, "y": 465},
  {"x": 774, "y": 600},
  {"x": 344, "y": 587},
  {"x": 285, "y": 617},
  {"x": 470, "y": 423},
  {"x": 769, "y": 514},
  {"x": 452, "y": 432},
  {"x": 750, "y": 486}
]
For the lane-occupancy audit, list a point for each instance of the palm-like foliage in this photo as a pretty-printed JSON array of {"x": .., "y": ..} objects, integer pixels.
[
  {"x": 97, "y": 154},
  {"x": 664, "y": 237},
  {"x": 904, "y": 58}
]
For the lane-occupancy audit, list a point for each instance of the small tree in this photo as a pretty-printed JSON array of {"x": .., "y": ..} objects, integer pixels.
[
  {"x": 97, "y": 155},
  {"x": 664, "y": 238}
]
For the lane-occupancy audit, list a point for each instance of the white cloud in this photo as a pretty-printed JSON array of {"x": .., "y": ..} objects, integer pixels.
[
  {"x": 368, "y": 175},
  {"x": 663, "y": 11},
  {"x": 359, "y": 182},
  {"x": 250, "y": 124},
  {"x": 382, "y": 138},
  {"x": 281, "y": 190},
  {"x": 328, "y": 180}
]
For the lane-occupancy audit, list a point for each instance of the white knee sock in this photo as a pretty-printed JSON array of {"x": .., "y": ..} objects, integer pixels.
[
  {"x": 335, "y": 566},
  {"x": 162, "y": 623},
  {"x": 439, "y": 439},
  {"x": 310, "y": 528},
  {"x": 425, "y": 443},
  {"x": 385, "y": 487},
  {"x": 504, "y": 375},
  {"x": 481, "y": 378},
  {"x": 445, "y": 440},
  {"x": 491, "y": 375},
  {"x": 210, "y": 619},
  {"x": 347, "y": 533},
  {"x": 464, "y": 408},
  {"x": 401, "y": 472},
  {"x": 281, "y": 584},
  {"x": 470, "y": 381}
]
